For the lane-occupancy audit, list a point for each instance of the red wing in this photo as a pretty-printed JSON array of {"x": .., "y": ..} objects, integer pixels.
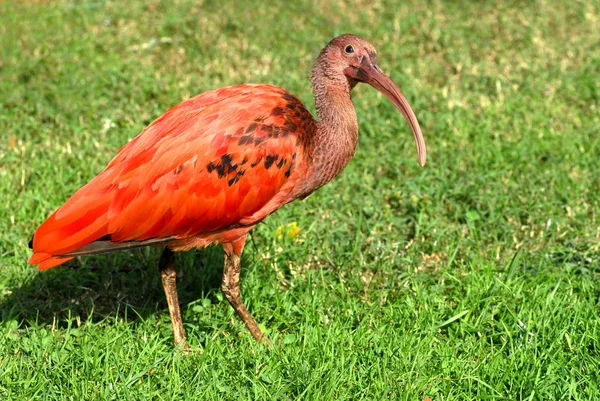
[{"x": 207, "y": 164}]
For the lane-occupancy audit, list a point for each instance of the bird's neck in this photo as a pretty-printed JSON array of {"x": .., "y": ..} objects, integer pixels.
[{"x": 336, "y": 136}]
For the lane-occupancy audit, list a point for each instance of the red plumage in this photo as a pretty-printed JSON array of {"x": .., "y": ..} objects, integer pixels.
[{"x": 208, "y": 169}]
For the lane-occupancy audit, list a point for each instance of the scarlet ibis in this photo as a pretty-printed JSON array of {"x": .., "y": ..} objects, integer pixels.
[{"x": 213, "y": 167}]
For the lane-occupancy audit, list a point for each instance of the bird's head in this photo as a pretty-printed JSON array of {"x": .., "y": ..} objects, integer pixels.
[{"x": 355, "y": 59}]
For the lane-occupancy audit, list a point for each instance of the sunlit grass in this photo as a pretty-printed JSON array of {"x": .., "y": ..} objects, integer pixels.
[{"x": 476, "y": 277}]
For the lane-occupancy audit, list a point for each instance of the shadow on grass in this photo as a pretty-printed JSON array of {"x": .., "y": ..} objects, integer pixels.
[{"x": 112, "y": 285}]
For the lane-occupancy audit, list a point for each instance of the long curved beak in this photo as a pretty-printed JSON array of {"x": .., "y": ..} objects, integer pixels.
[{"x": 374, "y": 76}]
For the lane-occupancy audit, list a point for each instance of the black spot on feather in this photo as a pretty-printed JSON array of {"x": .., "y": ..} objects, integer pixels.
[
  {"x": 290, "y": 126},
  {"x": 224, "y": 167},
  {"x": 288, "y": 172},
  {"x": 251, "y": 128},
  {"x": 269, "y": 160},
  {"x": 289, "y": 97},
  {"x": 236, "y": 177},
  {"x": 226, "y": 159}
]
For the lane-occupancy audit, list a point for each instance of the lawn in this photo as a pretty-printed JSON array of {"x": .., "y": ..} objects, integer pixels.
[{"x": 476, "y": 277}]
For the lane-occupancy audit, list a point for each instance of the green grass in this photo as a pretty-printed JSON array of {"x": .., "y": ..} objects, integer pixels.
[{"x": 476, "y": 277}]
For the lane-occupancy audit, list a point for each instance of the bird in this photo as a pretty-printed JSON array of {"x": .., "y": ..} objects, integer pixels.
[{"x": 214, "y": 166}]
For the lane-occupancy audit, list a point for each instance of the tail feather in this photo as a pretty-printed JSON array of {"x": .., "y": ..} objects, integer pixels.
[
  {"x": 59, "y": 236},
  {"x": 39, "y": 257},
  {"x": 79, "y": 222},
  {"x": 52, "y": 262}
]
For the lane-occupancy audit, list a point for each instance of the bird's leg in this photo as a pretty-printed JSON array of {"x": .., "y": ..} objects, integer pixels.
[
  {"x": 231, "y": 286},
  {"x": 169, "y": 278}
]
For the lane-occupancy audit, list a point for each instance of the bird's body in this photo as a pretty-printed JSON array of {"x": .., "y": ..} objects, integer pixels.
[
  {"x": 193, "y": 177},
  {"x": 214, "y": 166}
]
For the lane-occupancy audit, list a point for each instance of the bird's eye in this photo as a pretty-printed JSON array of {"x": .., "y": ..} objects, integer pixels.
[{"x": 349, "y": 49}]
